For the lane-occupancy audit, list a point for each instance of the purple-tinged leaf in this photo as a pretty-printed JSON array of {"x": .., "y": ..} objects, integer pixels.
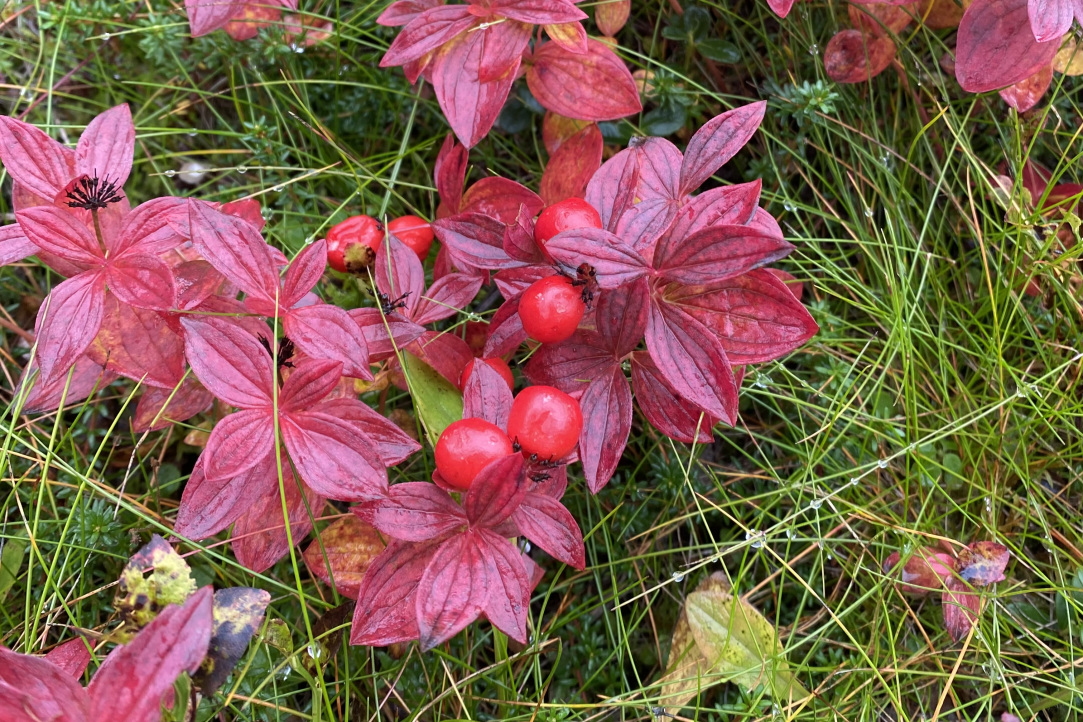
[
  {"x": 14, "y": 245},
  {"x": 142, "y": 281},
  {"x": 571, "y": 167},
  {"x": 612, "y": 189},
  {"x": 519, "y": 240},
  {"x": 501, "y": 199},
  {"x": 927, "y": 570},
  {"x": 503, "y": 49},
  {"x": 229, "y": 361},
  {"x": 399, "y": 273},
  {"x": 487, "y": 396},
  {"x": 67, "y": 322},
  {"x": 414, "y": 511},
  {"x": 134, "y": 678},
  {"x": 982, "y": 563},
  {"x": 513, "y": 281},
  {"x": 726, "y": 205},
  {"x": 621, "y": 317},
  {"x": 992, "y": 52},
  {"x": 107, "y": 146},
  {"x": 333, "y": 457},
  {"x": 445, "y": 352},
  {"x": 304, "y": 273},
  {"x": 386, "y": 602},
  {"x": 538, "y": 12},
  {"x": 544, "y": 521},
  {"x": 568, "y": 83},
  {"x": 644, "y": 223},
  {"x": 607, "y": 421},
  {"x": 570, "y": 365},
  {"x": 1050, "y": 19},
  {"x": 449, "y": 174},
  {"x": 717, "y": 141},
  {"x": 150, "y": 228},
  {"x": 509, "y": 591},
  {"x": 961, "y": 609},
  {"x": 474, "y": 241},
  {"x": 236, "y": 249},
  {"x": 506, "y": 332},
  {"x": 239, "y": 442},
  {"x": 329, "y": 332},
  {"x": 33, "y": 689},
  {"x": 308, "y": 383},
  {"x": 659, "y": 165},
  {"x": 615, "y": 262},
  {"x": 496, "y": 492},
  {"x": 452, "y": 591},
  {"x": 446, "y": 296},
  {"x": 427, "y": 32},
  {"x": 259, "y": 534},
  {"x": 470, "y": 105},
  {"x": 57, "y": 231},
  {"x": 34, "y": 160},
  {"x": 158, "y": 408},
  {"x": 373, "y": 328},
  {"x": 391, "y": 443},
  {"x": 46, "y": 395},
  {"x": 206, "y": 16},
  {"x": 717, "y": 253},
  {"x": 209, "y": 506},
  {"x": 667, "y": 412}
]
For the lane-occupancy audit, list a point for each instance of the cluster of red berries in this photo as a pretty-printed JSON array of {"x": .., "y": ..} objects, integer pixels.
[
  {"x": 544, "y": 424},
  {"x": 353, "y": 243}
]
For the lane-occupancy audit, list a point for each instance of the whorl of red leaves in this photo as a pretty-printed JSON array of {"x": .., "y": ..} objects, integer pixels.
[
  {"x": 472, "y": 54},
  {"x": 131, "y": 683}
]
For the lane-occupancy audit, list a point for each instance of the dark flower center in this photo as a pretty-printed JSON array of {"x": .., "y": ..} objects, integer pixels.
[{"x": 93, "y": 194}]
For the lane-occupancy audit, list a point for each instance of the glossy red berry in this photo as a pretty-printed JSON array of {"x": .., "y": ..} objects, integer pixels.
[
  {"x": 496, "y": 363},
  {"x": 414, "y": 232},
  {"x": 352, "y": 244},
  {"x": 551, "y": 309},
  {"x": 564, "y": 216},
  {"x": 545, "y": 421},
  {"x": 466, "y": 447}
]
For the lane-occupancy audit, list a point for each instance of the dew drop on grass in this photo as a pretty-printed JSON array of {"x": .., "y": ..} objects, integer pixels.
[
  {"x": 789, "y": 206},
  {"x": 277, "y": 189},
  {"x": 854, "y": 481},
  {"x": 814, "y": 49},
  {"x": 105, "y": 37},
  {"x": 868, "y": 211},
  {"x": 816, "y": 503},
  {"x": 882, "y": 463},
  {"x": 242, "y": 169},
  {"x": 170, "y": 173},
  {"x": 678, "y": 576},
  {"x": 310, "y": 240}
]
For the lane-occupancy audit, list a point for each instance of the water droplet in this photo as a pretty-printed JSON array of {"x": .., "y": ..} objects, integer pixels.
[
  {"x": 816, "y": 503},
  {"x": 310, "y": 240},
  {"x": 882, "y": 463},
  {"x": 286, "y": 672},
  {"x": 814, "y": 49},
  {"x": 756, "y": 536},
  {"x": 830, "y": 556},
  {"x": 192, "y": 134},
  {"x": 193, "y": 172},
  {"x": 526, "y": 544},
  {"x": 116, "y": 76},
  {"x": 854, "y": 481},
  {"x": 170, "y": 173},
  {"x": 277, "y": 189},
  {"x": 105, "y": 37},
  {"x": 868, "y": 211},
  {"x": 242, "y": 169},
  {"x": 678, "y": 576},
  {"x": 789, "y": 206},
  {"x": 315, "y": 651},
  {"x": 26, "y": 93}
]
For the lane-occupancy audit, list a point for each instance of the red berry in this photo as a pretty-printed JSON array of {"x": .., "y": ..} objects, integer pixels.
[
  {"x": 352, "y": 244},
  {"x": 563, "y": 216},
  {"x": 466, "y": 447},
  {"x": 551, "y": 309},
  {"x": 496, "y": 363},
  {"x": 414, "y": 232},
  {"x": 545, "y": 421}
]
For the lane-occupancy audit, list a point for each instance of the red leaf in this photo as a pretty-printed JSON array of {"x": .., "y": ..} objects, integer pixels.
[
  {"x": 229, "y": 361},
  {"x": 259, "y": 534},
  {"x": 209, "y": 506},
  {"x": 556, "y": 129},
  {"x": 236, "y": 249},
  {"x": 881, "y": 18},
  {"x": 106, "y": 147},
  {"x": 138, "y": 344},
  {"x": 1050, "y": 19},
  {"x": 57, "y": 231},
  {"x": 644, "y": 223},
  {"x": 386, "y": 602},
  {"x": 982, "y": 563},
  {"x": 474, "y": 240},
  {"x": 961, "y": 609},
  {"x": 667, "y": 412},
  {"x": 726, "y": 205},
  {"x": 414, "y": 511},
  {"x": 34, "y": 160},
  {"x": 487, "y": 396},
  {"x": 501, "y": 199},
  {"x": 343, "y": 553},
  {"x": 133, "y": 679},
  {"x": 328, "y": 332},
  {"x": 616, "y": 262},
  {"x": 206, "y": 16},
  {"x": 239, "y": 442},
  {"x": 158, "y": 408},
  {"x": 67, "y": 322},
  {"x": 470, "y": 105},
  {"x": 445, "y": 352},
  {"x": 503, "y": 49},
  {"x": 781, "y": 7},
  {"x": 717, "y": 253},
  {"x": 333, "y": 457},
  {"x": 538, "y": 12},
  {"x": 611, "y": 16},
  {"x": 403, "y": 11},
  {"x": 513, "y": 281},
  {"x": 755, "y": 316},
  {"x": 612, "y": 190},
  {"x": 46, "y": 395},
  {"x": 659, "y": 165},
  {"x": 506, "y": 332},
  {"x": 32, "y": 689},
  {"x": 571, "y": 364},
  {"x": 927, "y": 570},
  {"x": 71, "y": 657},
  {"x": 496, "y": 492},
  {"x": 717, "y": 141},
  {"x": 427, "y": 32},
  {"x": 452, "y": 591},
  {"x": 994, "y": 49},
  {"x": 571, "y": 36},
  {"x": 142, "y": 281},
  {"x": 14, "y": 245},
  {"x": 571, "y": 167},
  {"x": 544, "y": 521},
  {"x": 449, "y": 174},
  {"x": 151, "y": 227},
  {"x": 568, "y": 83},
  {"x": 621, "y": 317},
  {"x": 304, "y": 273},
  {"x": 1025, "y": 94},
  {"x": 390, "y": 442},
  {"x": 853, "y": 57},
  {"x": 373, "y": 328},
  {"x": 607, "y": 421},
  {"x": 692, "y": 361},
  {"x": 308, "y": 383},
  {"x": 509, "y": 595},
  {"x": 446, "y": 295}
]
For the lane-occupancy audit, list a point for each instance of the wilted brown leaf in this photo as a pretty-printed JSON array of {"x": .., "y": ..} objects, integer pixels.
[
  {"x": 238, "y": 612},
  {"x": 852, "y": 57},
  {"x": 350, "y": 546},
  {"x": 1025, "y": 94},
  {"x": 940, "y": 14},
  {"x": 879, "y": 19}
]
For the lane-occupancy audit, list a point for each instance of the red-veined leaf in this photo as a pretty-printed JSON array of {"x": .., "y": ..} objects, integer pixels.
[
  {"x": 544, "y": 521},
  {"x": 33, "y": 689},
  {"x": 538, "y": 12},
  {"x": 726, "y": 205},
  {"x": 138, "y": 344},
  {"x": 57, "y": 231},
  {"x": 206, "y": 16},
  {"x": 236, "y": 249},
  {"x": 982, "y": 563},
  {"x": 486, "y": 395},
  {"x": 142, "y": 281},
  {"x": 506, "y": 332},
  {"x": 621, "y": 316},
  {"x": 135, "y": 677},
  {"x": 329, "y": 332},
  {"x": 496, "y": 491},
  {"x": 519, "y": 240},
  {"x": 386, "y": 602},
  {"x": 571, "y": 36},
  {"x": 853, "y": 57},
  {"x": 611, "y": 15},
  {"x": 452, "y": 590},
  {"x": 570, "y": 365},
  {"x": 67, "y": 322},
  {"x": 391, "y": 443},
  {"x": 659, "y": 168},
  {"x": 151, "y": 227},
  {"x": 1051, "y": 19},
  {"x": 414, "y": 511},
  {"x": 427, "y": 32},
  {"x": 717, "y": 141},
  {"x": 304, "y": 273},
  {"x": 399, "y": 273},
  {"x": 343, "y": 553},
  {"x": 501, "y": 199},
  {"x": 308, "y": 383},
  {"x": 607, "y": 421},
  {"x": 716, "y": 253},
  {"x": 691, "y": 359},
  {"x": 503, "y": 49},
  {"x": 994, "y": 50},
  {"x": 1025, "y": 94},
  {"x": 446, "y": 296},
  {"x": 375, "y": 326},
  {"x": 106, "y": 147},
  {"x": 403, "y": 11},
  {"x": 445, "y": 352},
  {"x": 333, "y": 457},
  {"x": 509, "y": 592},
  {"x": 612, "y": 189},
  {"x": 449, "y": 174},
  {"x": 71, "y": 657},
  {"x": 46, "y": 394},
  {"x": 259, "y": 534},
  {"x": 470, "y": 105},
  {"x": 961, "y": 609},
  {"x": 568, "y": 83},
  {"x": 667, "y": 412},
  {"x": 474, "y": 240},
  {"x": 239, "y": 442},
  {"x": 644, "y": 223},
  {"x": 209, "y": 506},
  {"x": 33, "y": 159},
  {"x": 572, "y": 166},
  {"x": 513, "y": 281},
  {"x": 229, "y": 361},
  {"x": 615, "y": 261},
  {"x": 14, "y": 245},
  {"x": 158, "y": 408}
]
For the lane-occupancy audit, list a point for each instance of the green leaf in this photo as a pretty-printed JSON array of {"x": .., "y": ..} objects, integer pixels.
[
  {"x": 664, "y": 120},
  {"x": 719, "y": 51},
  {"x": 11, "y": 560},
  {"x": 438, "y": 403}
]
